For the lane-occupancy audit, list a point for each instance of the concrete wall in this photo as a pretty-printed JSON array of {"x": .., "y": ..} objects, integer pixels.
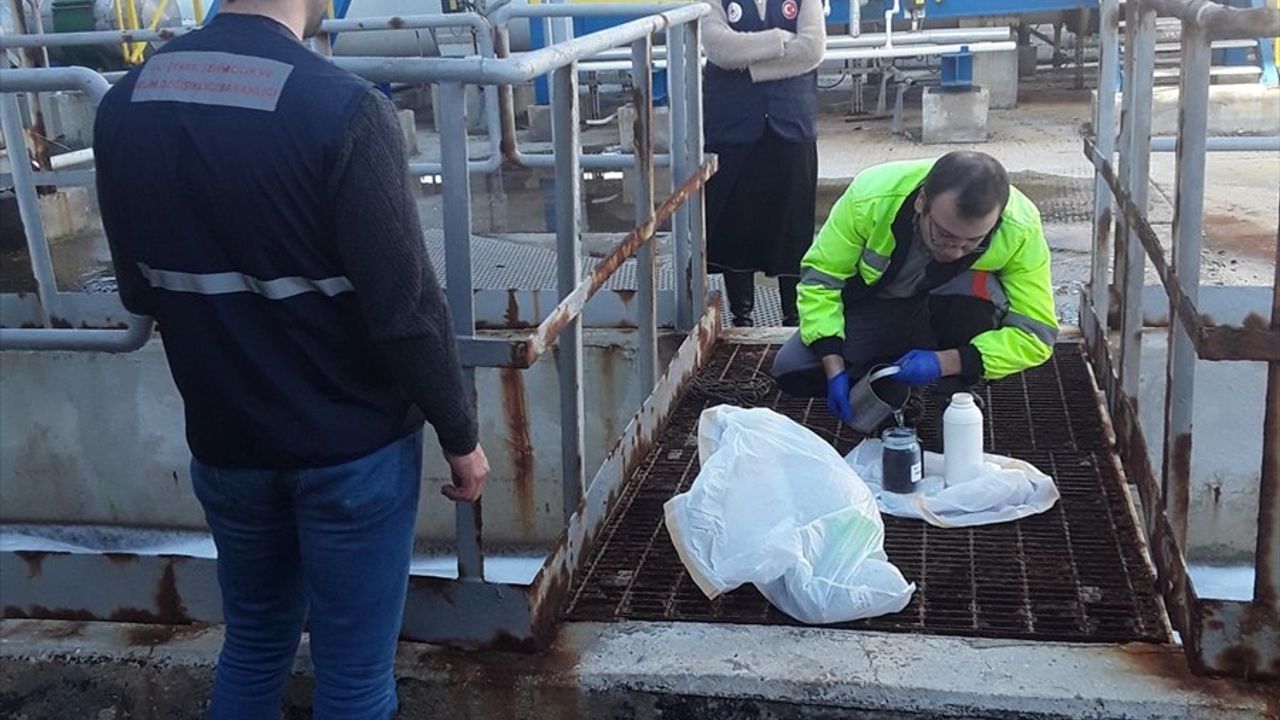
[
  {"x": 1226, "y": 457},
  {"x": 99, "y": 439}
]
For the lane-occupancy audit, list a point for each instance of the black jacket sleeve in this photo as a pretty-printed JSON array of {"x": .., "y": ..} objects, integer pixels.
[{"x": 383, "y": 254}]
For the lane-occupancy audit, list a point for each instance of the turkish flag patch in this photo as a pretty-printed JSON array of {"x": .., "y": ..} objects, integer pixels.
[{"x": 790, "y": 10}]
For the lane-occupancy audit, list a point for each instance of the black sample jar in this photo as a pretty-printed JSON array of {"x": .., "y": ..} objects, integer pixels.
[{"x": 901, "y": 460}]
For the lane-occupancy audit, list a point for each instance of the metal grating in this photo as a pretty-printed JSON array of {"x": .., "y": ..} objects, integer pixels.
[
  {"x": 500, "y": 264},
  {"x": 1075, "y": 573}
]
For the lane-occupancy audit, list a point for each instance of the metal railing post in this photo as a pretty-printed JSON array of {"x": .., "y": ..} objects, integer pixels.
[
  {"x": 646, "y": 278},
  {"x": 24, "y": 188},
  {"x": 1188, "y": 228},
  {"x": 568, "y": 149},
  {"x": 694, "y": 152},
  {"x": 1122, "y": 166},
  {"x": 1266, "y": 579},
  {"x": 456, "y": 192},
  {"x": 1140, "y": 85},
  {"x": 1104, "y": 121},
  {"x": 681, "y": 167}
]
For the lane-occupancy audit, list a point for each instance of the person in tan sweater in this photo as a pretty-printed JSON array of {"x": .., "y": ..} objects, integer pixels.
[{"x": 760, "y": 109}]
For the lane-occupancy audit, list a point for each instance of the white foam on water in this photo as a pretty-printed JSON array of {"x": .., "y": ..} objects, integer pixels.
[
  {"x": 91, "y": 539},
  {"x": 1223, "y": 582},
  {"x": 513, "y": 569},
  {"x": 508, "y": 569}
]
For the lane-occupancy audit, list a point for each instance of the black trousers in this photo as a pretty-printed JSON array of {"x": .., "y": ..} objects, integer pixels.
[{"x": 879, "y": 331}]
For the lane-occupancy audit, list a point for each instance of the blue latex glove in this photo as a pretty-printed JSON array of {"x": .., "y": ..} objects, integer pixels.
[
  {"x": 918, "y": 367},
  {"x": 838, "y": 397}
]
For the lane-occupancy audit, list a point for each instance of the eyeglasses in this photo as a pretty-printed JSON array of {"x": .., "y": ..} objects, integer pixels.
[{"x": 942, "y": 238}]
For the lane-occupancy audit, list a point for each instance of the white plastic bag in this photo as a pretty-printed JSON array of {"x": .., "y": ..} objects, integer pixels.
[
  {"x": 776, "y": 506},
  {"x": 1007, "y": 489}
]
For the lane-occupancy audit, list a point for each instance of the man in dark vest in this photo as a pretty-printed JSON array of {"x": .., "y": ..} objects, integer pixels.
[
  {"x": 760, "y": 109},
  {"x": 257, "y": 204}
]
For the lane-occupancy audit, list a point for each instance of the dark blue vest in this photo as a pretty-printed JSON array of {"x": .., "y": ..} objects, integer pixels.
[
  {"x": 215, "y": 161},
  {"x": 736, "y": 111}
]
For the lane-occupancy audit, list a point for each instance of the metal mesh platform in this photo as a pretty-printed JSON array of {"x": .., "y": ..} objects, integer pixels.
[{"x": 1075, "y": 573}]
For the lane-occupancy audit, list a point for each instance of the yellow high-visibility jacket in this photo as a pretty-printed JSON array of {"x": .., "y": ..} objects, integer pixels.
[{"x": 857, "y": 243}]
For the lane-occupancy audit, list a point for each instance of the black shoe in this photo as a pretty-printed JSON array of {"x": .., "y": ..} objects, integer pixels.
[{"x": 741, "y": 289}]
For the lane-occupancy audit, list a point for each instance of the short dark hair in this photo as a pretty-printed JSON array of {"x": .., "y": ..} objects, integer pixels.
[{"x": 980, "y": 180}]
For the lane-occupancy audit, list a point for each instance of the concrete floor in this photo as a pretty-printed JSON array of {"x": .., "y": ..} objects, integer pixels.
[{"x": 647, "y": 671}]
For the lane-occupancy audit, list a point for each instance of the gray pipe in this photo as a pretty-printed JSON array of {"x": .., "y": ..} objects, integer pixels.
[
  {"x": 81, "y": 340},
  {"x": 345, "y": 25},
  {"x": 65, "y": 78},
  {"x": 1270, "y": 143},
  {"x": 518, "y": 68}
]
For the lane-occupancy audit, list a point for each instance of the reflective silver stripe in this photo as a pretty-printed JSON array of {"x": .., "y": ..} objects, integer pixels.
[
  {"x": 813, "y": 276},
  {"x": 224, "y": 283},
  {"x": 996, "y": 291},
  {"x": 873, "y": 259},
  {"x": 1043, "y": 332}
]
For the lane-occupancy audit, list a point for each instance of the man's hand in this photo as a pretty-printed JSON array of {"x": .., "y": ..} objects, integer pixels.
[
  {"x": 838, "y": 397},
  {"x": 469, "y": 473},
  {"x": 918, "y": 367}
]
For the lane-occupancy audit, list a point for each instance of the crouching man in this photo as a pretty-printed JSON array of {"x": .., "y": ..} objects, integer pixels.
[{"x": 937, "y": 266}]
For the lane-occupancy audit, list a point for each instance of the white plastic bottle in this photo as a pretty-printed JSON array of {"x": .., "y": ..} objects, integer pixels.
[{"x": 961, "y": 440}]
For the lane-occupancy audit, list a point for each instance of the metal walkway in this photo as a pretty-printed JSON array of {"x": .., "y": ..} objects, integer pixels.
[{"x": 1076, "y": 573}]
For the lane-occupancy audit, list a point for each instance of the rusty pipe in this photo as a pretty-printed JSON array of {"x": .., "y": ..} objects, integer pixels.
[
  {"x": 1213, "y": 342},
  {"x": 571, "y": 306}
]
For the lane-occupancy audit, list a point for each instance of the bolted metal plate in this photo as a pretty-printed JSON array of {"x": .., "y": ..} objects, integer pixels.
[{"x": 1074, "y": 573}]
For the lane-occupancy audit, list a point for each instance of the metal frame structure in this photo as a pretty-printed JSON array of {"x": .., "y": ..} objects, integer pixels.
[
  {"x": 492, "y": 36},
  {"x": 470, "y": 610},
  {"x": 1240, "y": 639}
]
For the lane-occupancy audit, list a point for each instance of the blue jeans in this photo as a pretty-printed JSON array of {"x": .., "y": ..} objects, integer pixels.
[{"x": 335, "y": 541}]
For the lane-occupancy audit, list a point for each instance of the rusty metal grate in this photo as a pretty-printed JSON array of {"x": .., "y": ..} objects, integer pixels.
[{"x": 1075, "y": 573}]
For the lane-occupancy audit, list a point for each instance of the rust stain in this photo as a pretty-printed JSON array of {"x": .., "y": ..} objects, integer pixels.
[
  {"x": 1239, "y": 236},
  {"x": 1102, "y": 231},
  {"x": 133, "y": 615},
  {"x": 512, "y": 315},
  {"x": 1225, "y": 342},
  {"x": 571, "y": 307},
  {"x": 168, "y": 600},
  {"x": 151, "y": 635},
  {"x": 519, "y": 444},
  {"x": 1180, "y": 483},
  {"x": 34, "y": 560},
  {"x": 396, "y": 22},
  {"x": 40, "y": 612},
  {"x": 169, "y": 607},
  {"x": 608, "y": 397},
  {"x": 1171, "y": 667},
  {"x": 1254, "y": 321}
]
